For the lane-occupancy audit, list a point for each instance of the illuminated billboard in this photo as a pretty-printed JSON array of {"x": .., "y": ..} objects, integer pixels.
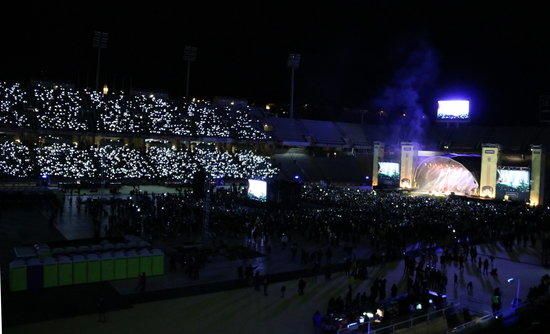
[
  {"x": 388, "y": 174},
  {"x": 453, "y": 111},
  {"x": 513, "y": 184},
  {"x": 257, "y": 190}
]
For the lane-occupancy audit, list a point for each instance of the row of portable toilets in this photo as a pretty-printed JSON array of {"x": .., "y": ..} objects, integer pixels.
[{"x": 36, "y": 273}]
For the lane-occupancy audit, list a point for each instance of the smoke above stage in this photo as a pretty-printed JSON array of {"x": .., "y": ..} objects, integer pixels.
[{"x": 444, "y": 175}]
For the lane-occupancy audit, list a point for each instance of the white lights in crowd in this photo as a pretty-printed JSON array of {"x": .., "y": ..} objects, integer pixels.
[
  {"x": 65, "y": 161},
  {"x": 12, "y": 103},
  {"x": 63, "y": 108},
  {"x": 58, "y": 108},
  {"x": 172, "y": 164},
  {"x": 122, "y": 162},
  {"x": 15, "y": 159}
]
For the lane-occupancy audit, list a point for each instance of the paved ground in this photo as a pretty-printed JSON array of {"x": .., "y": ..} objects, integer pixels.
[
  {"x": 76, "y": 224},
  {"x": 24, "y": 222},
  {"x": 247, "y": 311}
]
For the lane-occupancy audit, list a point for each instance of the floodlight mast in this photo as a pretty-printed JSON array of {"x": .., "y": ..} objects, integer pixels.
[
  {"x": 99, "y": 41},
  {"x": 293, "y": 64},
  {"x": 189, "y": 55}
]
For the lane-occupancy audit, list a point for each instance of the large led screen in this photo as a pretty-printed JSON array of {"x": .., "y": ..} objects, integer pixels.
[
  {"x": 453, "y": 110},
  {"x": 513, "y": 184},
  {"x": 388, "y": 173},
  {"x": 257, "y": 190}
]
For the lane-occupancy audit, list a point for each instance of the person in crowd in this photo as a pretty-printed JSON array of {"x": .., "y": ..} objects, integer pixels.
[
  {"x": 317, "y": 322},
  {"x": 142, "y": 281},
  {"x": 301, "y": 286},
  {"x": 265, "y": 284},
  {"x": 101, "y": 310},
  {"x": 283, "y": 290},
  {"x": 393, "y": 290}
]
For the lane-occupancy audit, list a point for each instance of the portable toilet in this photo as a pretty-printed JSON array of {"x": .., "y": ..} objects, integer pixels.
[
  {"x": 35, "y": 274},
  {"x": 157, "y": 262},
  {"x": 50, "y": 272},
  {"x": 145, "y": 262},
  {"x": 107, "y": 267},
  {"x": 94, "y": 268},
  {"x": 80, "y": 274},
  {"x": 133, "y": 264},
  {"x": 121, "y": 265},
  {"x": 18, "y": 275},
  {"x": 65, "y": 270}
]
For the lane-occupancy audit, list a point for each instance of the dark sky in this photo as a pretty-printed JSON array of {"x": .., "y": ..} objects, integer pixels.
[{"x": 351, "y": 50}]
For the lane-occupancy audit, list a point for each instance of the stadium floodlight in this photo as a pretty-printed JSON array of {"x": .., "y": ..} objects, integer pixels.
[
  {"x": 293, "y": 63},
  {"x": 100, "y": 40},
  {"x": 189, "y": 55}
]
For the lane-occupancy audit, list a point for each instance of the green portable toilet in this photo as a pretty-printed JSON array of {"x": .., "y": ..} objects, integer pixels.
[
  {"x": 94, "y": 268},
  {"x": 157, "y": 262},
  {"x": 121, "y": 264},
  {"x": 80, "y": 272},
  {"x": 132, "y": 264},
  {"x": 145, "y": 262},
  {"x": 51, "y": 275},
  {"x": 65, "y": 270},
  {"x": 107, "y": 267},
  {"x": 18, "y": 275}
]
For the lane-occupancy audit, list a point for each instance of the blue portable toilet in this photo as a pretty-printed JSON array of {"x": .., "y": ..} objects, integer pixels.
[{"x": 35, "y": 274}]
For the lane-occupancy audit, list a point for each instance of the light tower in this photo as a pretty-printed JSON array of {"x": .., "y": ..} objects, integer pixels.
[
  {"x": 100, "y": 40},
  {"x": 293, "y": 64},
  {"x": 189, "y": 55}
]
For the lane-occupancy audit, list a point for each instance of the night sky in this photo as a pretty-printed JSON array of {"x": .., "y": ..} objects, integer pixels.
[{"x": 352, "y": 52}]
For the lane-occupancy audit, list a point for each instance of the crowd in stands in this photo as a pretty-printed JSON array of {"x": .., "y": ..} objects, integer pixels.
[
  {"x": 59, "y": 159},
  {"x": 57, "y": 107}
]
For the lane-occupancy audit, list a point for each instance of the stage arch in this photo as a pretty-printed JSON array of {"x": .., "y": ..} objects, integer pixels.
[{"x": 445, "y": 175}]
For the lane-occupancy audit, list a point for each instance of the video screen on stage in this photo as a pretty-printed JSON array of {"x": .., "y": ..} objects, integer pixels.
[
  {"x": 513, "y": 184},
  {"x": 453, "y": 111},
  {"x": 388, "y": 173},
  {"x": 257, "y": 190}
]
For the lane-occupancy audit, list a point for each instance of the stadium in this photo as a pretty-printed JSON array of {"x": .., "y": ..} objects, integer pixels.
[
  {"x": 343, "y": 169},
  {"x": 69, "y": 136}
]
